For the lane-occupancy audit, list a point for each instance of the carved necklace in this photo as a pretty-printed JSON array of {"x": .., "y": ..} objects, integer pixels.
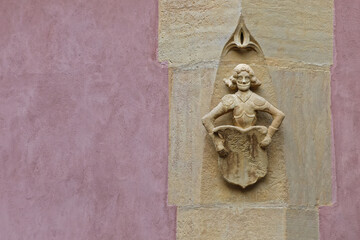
[{"x": 244, "y": 97}]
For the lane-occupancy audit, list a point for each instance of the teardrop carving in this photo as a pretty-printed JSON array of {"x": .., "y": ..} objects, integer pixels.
[{"x": 242, "y": 39}]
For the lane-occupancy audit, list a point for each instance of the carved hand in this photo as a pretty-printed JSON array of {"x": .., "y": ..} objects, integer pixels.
[
  {"x": 219, "y": 145},
  {"x": 265, "y": 142},
  {"x": 223, "y": 153}
]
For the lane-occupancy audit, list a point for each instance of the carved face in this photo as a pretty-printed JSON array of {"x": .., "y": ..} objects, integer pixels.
[{"x": 243, "y": 81}]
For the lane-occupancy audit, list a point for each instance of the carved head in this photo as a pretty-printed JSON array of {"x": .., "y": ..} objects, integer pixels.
[{"x": 242, "y": 79}]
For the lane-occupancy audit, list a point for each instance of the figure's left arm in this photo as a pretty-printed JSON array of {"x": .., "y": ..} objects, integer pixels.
[{"x": 278, "y": 117}]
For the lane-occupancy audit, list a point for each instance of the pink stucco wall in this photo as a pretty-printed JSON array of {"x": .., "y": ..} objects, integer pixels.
[
  {"x": 83, "y": 122},
  {"x": 342, "y": 221}
]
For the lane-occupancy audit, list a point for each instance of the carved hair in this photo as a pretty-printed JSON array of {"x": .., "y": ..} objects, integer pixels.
[{"x": 231, "y": 82}]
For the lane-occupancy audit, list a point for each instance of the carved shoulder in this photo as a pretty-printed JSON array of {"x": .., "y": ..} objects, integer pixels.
[
  {"x": 228, "y": 101},
  {"x": 259, "y": 102}
]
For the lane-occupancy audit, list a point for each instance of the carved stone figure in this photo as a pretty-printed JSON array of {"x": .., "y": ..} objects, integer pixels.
[{"x": 242, "y": 147}]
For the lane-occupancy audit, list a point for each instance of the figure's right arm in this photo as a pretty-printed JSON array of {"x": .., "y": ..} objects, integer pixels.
[
  {"x": 209, "y": 119},
  {"x": 226, "y": 105}
]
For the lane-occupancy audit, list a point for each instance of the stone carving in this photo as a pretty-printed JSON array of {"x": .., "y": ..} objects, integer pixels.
[
  {"x": 241, "y": 39},
  {"x": 242, "y": 146}
]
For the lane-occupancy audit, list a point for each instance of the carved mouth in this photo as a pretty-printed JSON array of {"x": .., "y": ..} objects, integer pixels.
[{"x": 243, "y": 85}]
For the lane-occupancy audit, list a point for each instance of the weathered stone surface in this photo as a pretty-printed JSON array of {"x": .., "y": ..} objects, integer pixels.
[
  {"x": 197, "y": 31},
  {"x": 192, "y": 31},
  {"x": 190, "y": 91},
  {"x": 302, "y": 224},
  {"x": 231, "y": 223},
  {"x": 304, "y": 96},
  {"x": 292, "y": 29},
  {"x": 271, "y": 223}
]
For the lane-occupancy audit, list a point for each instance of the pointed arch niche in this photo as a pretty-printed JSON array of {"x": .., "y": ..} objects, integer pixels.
[{"x": 243, "y": 48}]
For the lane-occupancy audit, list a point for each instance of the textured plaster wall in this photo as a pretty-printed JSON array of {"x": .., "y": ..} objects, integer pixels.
[
  {"x": 83, "y": 122},
  {"x": 342, "y": 221}
]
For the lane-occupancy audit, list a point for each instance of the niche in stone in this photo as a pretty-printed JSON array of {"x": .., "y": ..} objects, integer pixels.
[{"x": 241, "y": 144}]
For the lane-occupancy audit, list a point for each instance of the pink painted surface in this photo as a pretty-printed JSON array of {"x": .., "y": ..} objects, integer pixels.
[
  {"x": 342, "y": 221},
  {"x": 83, "y": 122}
]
